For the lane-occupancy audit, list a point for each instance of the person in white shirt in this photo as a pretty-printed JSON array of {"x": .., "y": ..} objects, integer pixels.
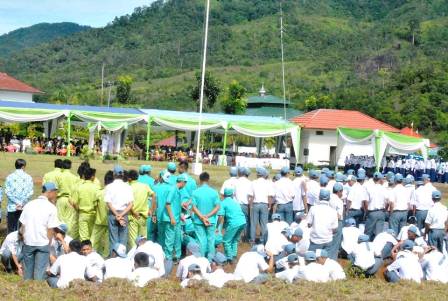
[
  {"x": 337, "y": 204},
  {"x": 363, "y": 256},
  {"x": 252, "y": 266},
  {"x": 406, "y": 266},
  {"x": 38, "y": 219},
  {"x": 284, "y": 195},
  {"x": 350, "y": 234},
  {"x": 119, "y": 198},
  {"x": 356, "y": 197},
  {"x": 313, "y": 271},
  {"x": 312, "y": 189},
  {"x": 118, "y": 266},
  {"x": 144, "y": 270},
  {"x": 335, "y": 271},
  {"x": 69, "y": 267},
  {"x": 384, "y": 243},
  {"x": 435, "y": 266},
  {"x": 230, "y": 182},
  {"x": 299, "y": 204},
  {"x": 194, "y": 272},
  {"x": 323, "y": 221},
  {"x": 423, "y": 200},
  {"x": 244, "y": 195},
  {"x": 331, "y": 180},
  {"x": 291, "y": 271},
  {"x": 403, "y": 235},
  {"x": 263, "y": 193},
  {"x": 152, "y": 249},
  {"x": 276, "y": 238},
  {"x": 218, "y": 277},
  {"x": 436, "y": 222},
  {"x": 399, "y": 205},
  {"x": 194, "y": 257},
  {"x": 11, "y": 252},
  {"x": 375, "y": 206},
  {"x": 95, "y": 261},
  {"x": 59, "y": 243}
]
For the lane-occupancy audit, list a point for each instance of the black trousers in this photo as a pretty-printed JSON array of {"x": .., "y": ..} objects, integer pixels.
[{"x": 13, "y": 220}]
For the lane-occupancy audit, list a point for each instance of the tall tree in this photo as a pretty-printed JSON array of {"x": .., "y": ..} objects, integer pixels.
[
  {"x": 234, "y": 101},
  {"x": 211, "y": 90},
  {"x": 124, "y": 84}
]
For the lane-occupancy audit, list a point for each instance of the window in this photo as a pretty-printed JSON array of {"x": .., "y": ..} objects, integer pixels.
[
  {"x": 319, "y": 133},
  {"x": 306, "y": 152}
]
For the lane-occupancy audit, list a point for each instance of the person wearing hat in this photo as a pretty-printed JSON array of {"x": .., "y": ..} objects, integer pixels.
[
  {"x": 284, "y": 195},
  {"x": 206, "y": 204},
  {"x": 406, "y": 266},
  {"x": 375, "y": 206},
  {"x": 337, "y": 204},
  {"x": 171, "y": 168},
  {"x": 363, "y": 256},
  {"x": 403, "y": 235},
  {"x": 144, "y": 270},
  {"x": 161, "y": 190},
  {"x": 11, "y": 253},
  {"x": 59, "y": 243},
  {"x": 436, "y": 222},
  {"x": 335, "y": 271},
  {"x": 39, "y": 217},
  {"x": 277, "y": 235},
  {"x": 252, "y": 266},
  {"x": 323, "y": 221},
  {"x": 119, "y": 198},
  {"x": 384, "y": 244},
  {"x": 313, "y": 271},
  {"x": 299, "y": 204},
  {"x": 413, "y": 234},
  {"x": 230, "y": 182},
  {"x": 435, "y": 265},
  {"x": 263, "y": 195},
  {"x": 190, "y": 185},
  {"x": 399, "y": 204},
  {"x": 244, "y": 196},
  {"x": 194, "y": 273},
  {"x": 145, "y": 176},
  {"x": 423, "y": 201},
  {"x": 140, "y": 209},
  {"x": 218, "y": 277},
  {"x": 350, "y": 234},
  {"x": 281, "y": 260},
  {"x": 356, "y": 198},
  {"x": 312, "y": 189},
  {"x": 331, "y": 180},
  {"x": 232, "y": 218},
  {"x": 193, "y": 257},
  {"x": 118, "y": 265},
  {"x": 292, "y": 267}
]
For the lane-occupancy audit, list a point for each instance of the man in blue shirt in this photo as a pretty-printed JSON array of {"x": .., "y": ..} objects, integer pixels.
[
  {"x": 145, "y": 176},
  {"x": 18, "y": 190},
  {"x": 206, "y": 204},
  {"x": 191, "y": 183}
]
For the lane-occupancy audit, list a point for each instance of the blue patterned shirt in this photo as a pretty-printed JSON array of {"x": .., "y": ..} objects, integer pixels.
[{"x": 18, "y": 189}]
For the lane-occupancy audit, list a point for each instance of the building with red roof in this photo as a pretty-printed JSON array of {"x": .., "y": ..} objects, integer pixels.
[
  {"x": 319, "y": 138},
  {"x": 12, "y": 89}
]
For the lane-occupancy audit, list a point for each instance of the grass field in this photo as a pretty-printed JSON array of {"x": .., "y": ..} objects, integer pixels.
[{"x": 352, "y": 289}]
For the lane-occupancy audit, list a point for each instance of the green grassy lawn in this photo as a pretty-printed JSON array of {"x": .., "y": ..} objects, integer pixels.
[{"x": 352, "y": 289}]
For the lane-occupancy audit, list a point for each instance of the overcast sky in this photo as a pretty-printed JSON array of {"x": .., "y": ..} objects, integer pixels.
[{"x": 15, "y": 14}]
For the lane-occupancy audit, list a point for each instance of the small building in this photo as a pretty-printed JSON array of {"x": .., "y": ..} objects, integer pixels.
[
  {"x": 12, "y": 89},
  {"x": 319, "y": 138},
  {"x": 269, "y": 106}
]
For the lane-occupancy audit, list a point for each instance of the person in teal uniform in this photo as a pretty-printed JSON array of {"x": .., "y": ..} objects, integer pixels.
[
  {"x": 171, "y": 167},
  {"x": 162, "y": 190},
  {"x": 145, "y": 176}
]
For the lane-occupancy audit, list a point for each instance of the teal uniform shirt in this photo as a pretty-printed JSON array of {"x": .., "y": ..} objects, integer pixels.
[
  {"x": 173, "y": 179},
  {"x": 190, "y": 186},
  {"x": 231, "y": 211},
  {"x": 174, "y": 198},
  {"x": 147, "y": 179},
  {"x": 162, "y": 190},
  {"x": 205, "y": 199}
]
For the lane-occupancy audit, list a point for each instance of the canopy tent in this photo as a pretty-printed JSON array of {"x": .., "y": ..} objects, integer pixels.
[{"x": 382, "y": 142}]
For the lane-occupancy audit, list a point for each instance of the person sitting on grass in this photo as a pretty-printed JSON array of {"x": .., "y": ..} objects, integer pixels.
[
  {"x": 363, "y": 256},
  {"x": 350, "y": 234},
  {"x": 11, "y": 252},
  {"x": 151, "y": 249},
  {"x": 194, "y": 273},
  {"x": 406, "y": 266},
  {"x": 194, "y": 257},
  {"x": 118, "y": 266},
  {"x": 218, "y": 277},
  {"x": 59, "y": 243},
  {"x": 252, "y": 266},
  {"x": 335, "y": 271},
  {"x": 144, "y": 270},
  {"x": 313, "y": 271},
  {"x": 96, "y": 262},
  {"x": 290, "y": 273}
]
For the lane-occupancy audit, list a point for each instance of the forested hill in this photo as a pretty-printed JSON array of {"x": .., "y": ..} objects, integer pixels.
[
  {"x": 23, "y": 38},
  {"x": 386, "y": 58}
]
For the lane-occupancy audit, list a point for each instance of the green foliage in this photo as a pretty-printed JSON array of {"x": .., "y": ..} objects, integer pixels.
[
  {"x": 234, "y": 101},
  {"x": 124, "y": 85},
  {"x": 211, "y": 89},
  {"x": 321, "y": 102}
]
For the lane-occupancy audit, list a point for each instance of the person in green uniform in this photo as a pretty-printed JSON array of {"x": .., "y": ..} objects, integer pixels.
[
  {"x": 84, "y": 199},
  {"x": 171, "y": 220},
  {"x": 145, "y": 176},
  {"x": 140, "y": 211},
  {"x": 100, "y": 233},
  {"x": 233, "y": 220},
  {"x": 171, "y": 167},
  {"x": 162, "y": 190},
  {"x": 51, "y": 176},
  {"x": 191, "y": 183},
  {"x": 66, "y": 183},
  {"x": 206, "y": 204}
]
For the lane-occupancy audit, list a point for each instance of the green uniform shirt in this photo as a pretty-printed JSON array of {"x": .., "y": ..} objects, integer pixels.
[
  {"x": 85, "y": 196},
  {"x": 66, "y": 182},
  {"x": 175, "y": 200},
  {"x": 101, "y": 210},
  {"x": 205, "y": 199},
  {"x": 50, "y": 177},
  {"x": 146, "y": 179},
  {"x": 231, "y": 211},
  {"x": 142, "y": 192},
  {"x": 162, "y": 190}
]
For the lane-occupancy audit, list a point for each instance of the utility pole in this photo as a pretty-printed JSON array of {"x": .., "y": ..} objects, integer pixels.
[
  {"x": 283, "y": 62},
  {"x": 102, "y": 85}
]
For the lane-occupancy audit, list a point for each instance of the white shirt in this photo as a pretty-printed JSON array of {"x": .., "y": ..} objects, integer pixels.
[
  {"x": 330, "y": 185},
  {"x": 262, "y": 189},
  {"x": 56, "y": 247},
  {"x": 218, "y": 278},
  {"x": 117, "y": 267},
  {"x": 437, "y": 216},
  {"x": 70, "y": 267},
  {"x": 284, "y": 191},
  {"x": 299, "y": 192},
  {"x": 289, "y": 274},
  {"x": 155, "y": 250},
  {"x": 377, "y": 197},
  {"x": 407, "y": 267},
  {"x": 364, "y": 255},
  {"x": 141, "y": 276},
  {"x": 423, "y": 197},
  {"x": 322, "y": 219},
  {"x": 312, "y": 192},
  {"x": 96, "y": 265},
  {"x": 334, "y": 269},
  {"x": 249, "y": 266},
  {"x": 229, "y": 183},
  {"x": 350, "y": 238},
  {"x": 400, "y": 197},
  {"x": 119, "y": 194},
  {"x": 11, "y": 244},
  {"x": 435, "y": 266},
  {"x": 381, "y": 240},
  {"x": 276, "y": 240},
  {"x": 357, "y": 195},
  {"x": 182, "y": 269},
  {"x": 337, "y": 204},
  {"x": 185, "y": 282},
  {"x": 243, "y": 189},
  {"x": 38, "y": 216},
  {"x": 314, "y": 272}
]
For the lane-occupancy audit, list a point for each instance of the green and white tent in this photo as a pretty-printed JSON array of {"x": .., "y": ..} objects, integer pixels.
[{"x": 382, "y": 142}]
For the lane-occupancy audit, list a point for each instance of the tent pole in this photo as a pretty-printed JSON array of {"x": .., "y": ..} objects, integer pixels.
[
  {"x": 148, "y": 137},
  {"x": 69, "y": 129},
  {"x": 299, "y": 130},
  {"x": 377, "y": 151},
  {"x": 224, "y": 147}
]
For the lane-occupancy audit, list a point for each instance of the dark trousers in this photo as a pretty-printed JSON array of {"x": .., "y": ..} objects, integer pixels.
[{"x": 13, "y": 220}]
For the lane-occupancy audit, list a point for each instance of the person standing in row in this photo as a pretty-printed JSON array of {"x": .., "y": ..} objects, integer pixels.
[
  {"x": 263, "y": 192},
  {"x": 244, "y": 196},
  {"x": 375, "y": 206},
  {"x": 436, "y": 222},
  {"x": 66, "y": 182},
  {"x": 18, "y": 190},
  {"x": 52, "y": 176},
  {"x": 284, "y": 195}
]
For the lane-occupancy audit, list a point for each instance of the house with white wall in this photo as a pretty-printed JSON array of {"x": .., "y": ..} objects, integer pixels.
[{"x": 12, "y": 89}]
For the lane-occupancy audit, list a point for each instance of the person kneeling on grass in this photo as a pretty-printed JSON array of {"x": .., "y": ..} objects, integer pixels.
[
  {"x": 406, "y": 265},
  {"x": 291, "y": 271},
  {"x": 335, "y": 271},
  {"x": 144, "y": 270},
  {"x": 252, "y": 266},
  {"x": 194, "y": 251},
  {"x": 11, "y": 252},
  {"x": 313, "y": 271},
  {"x": 194, "y": 273},
  {"x": 218, "y": 277},
  {"x": 363, "y": 256},
  {"x": 118, "y": 266}
]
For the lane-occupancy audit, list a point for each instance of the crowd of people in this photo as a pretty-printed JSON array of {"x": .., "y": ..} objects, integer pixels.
[{"x": 137, "y": 226}]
